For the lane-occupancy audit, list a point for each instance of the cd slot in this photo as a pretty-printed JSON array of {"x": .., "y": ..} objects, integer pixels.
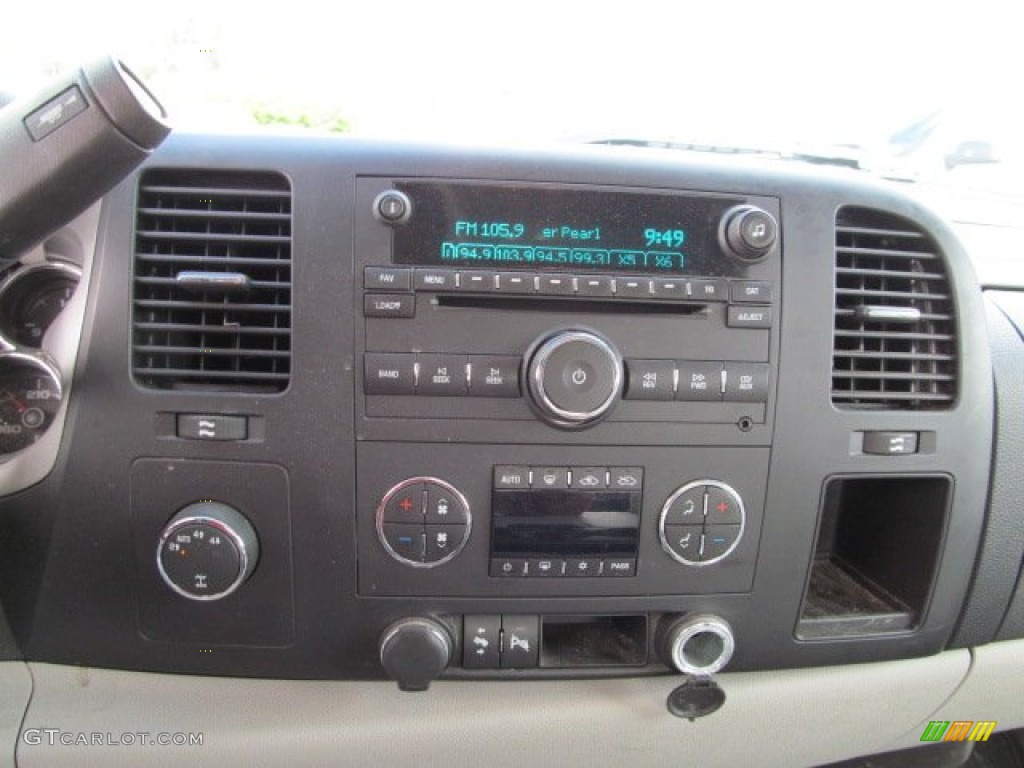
[{"x": 577, "y": 304}]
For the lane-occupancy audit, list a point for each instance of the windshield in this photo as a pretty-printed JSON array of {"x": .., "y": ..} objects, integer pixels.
[{"x": 908, "y": 90}]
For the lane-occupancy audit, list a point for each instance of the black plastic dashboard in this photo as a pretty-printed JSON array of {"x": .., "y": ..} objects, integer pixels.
[{"x": 831, "y": 395}]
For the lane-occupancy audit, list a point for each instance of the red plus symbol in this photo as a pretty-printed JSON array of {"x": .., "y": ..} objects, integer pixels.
[
  {"x": 405, "y": 504},
  {"x": 722, "y": 506}
]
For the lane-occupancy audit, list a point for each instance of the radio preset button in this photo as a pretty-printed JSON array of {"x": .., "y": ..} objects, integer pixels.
[
  {"x": 387, "y": 279},
  {"x": 594, "y": 285},
  {"x": 482, "y": 282},
  {"x": 407, "y": 541},
  {"x": 434, "y": 280},
  {"x": 632, "y": 288},
  {"x": 650, "y": 380},
  {"x": 719, "y": 541},
  {"x": 389, "y": 374},
  {"x": 555, "y": 285},
  {"x": 684, "y": 541},
  {"x": 443, "y": 507},
  {"x": 493, "y": 376},
  {"x": 443, "y": 375},
  {"x": 670, "y": 288},
  {"x": 516, "y": 282},
  {"x": 550, "y": 478},
  {"x": 589, "y": 478},
  {"x": 699, "y": 381},
  {"x": 506, "y": 477},
  {"x": 389, "y": 305}
]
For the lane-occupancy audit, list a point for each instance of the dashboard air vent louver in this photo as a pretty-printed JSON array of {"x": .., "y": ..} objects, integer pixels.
[
  {"x": 895, "y": 344},
  {"x": 212, "y": 281}
]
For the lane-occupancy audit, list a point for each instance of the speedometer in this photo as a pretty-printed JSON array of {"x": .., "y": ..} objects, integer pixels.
[{"x": 30, "y": 396}]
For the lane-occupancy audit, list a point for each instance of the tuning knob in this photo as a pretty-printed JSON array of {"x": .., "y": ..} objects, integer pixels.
[
  {"x": 747, "y": 233},
  {"x": 414, "y": 652},
  {"x": 574, "y": 378}
]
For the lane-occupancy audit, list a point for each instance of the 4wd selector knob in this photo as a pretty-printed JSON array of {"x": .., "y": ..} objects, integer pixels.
[
  {"x": 207, "y": 551},
  {"x": 747, "y": 233},
  {"x": 574, "y": 378}
]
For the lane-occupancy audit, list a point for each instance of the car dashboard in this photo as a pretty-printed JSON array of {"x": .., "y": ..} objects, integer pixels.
[{"x": 547, "y": 436}]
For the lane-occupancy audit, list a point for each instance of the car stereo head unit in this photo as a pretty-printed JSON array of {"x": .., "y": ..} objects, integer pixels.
[{"x": 514, "y": 227}]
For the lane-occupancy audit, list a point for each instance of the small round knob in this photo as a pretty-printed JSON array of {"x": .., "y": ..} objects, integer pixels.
[
  {"x": 574, "y": 378},
  {"x": 207, "y": 551},
  {"x": 697, "y": 645},
  {"x": 414, "y": 652},
  {"x": 747, "y": 233}
]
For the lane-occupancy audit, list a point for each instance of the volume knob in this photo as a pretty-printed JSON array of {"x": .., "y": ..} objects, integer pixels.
[{"x": 574, "y": 378}]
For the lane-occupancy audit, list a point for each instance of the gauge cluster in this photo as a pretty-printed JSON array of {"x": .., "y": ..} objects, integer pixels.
[{"x": 31, "y": 387}]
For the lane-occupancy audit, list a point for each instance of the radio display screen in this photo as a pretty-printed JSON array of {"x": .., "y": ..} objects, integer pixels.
[
  {"x": 565, "y": 523},
  {"x": 557, "y": 228}
]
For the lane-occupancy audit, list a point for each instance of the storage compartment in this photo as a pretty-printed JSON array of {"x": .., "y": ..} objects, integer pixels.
[
  {"x": 877, "y": 549},
  {"x": 593, "y": 641}
]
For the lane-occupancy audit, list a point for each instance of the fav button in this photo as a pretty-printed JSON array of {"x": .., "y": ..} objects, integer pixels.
[{"x": 387, "y": 279}]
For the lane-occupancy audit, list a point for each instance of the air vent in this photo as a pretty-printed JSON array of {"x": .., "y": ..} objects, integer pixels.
[
  {"x": 212, "y": 299},
  {"x": 895, "y": 343}
]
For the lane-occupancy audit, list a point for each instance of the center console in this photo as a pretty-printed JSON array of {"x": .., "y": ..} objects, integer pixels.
[{"x": 385, "y": 410}]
